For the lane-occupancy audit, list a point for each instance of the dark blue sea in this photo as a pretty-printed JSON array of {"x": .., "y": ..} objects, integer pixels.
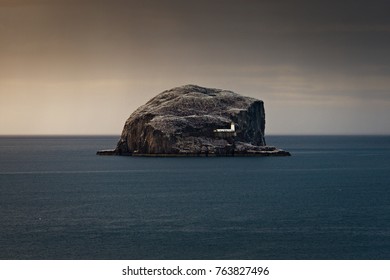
[{"x": 329, "y": 200}]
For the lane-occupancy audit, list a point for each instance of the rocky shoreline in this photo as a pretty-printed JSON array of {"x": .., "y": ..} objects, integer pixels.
[{"x": 276, "y": 152}]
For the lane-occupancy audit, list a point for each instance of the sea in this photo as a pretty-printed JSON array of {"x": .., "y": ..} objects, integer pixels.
[{"x": 329, "y": 200}]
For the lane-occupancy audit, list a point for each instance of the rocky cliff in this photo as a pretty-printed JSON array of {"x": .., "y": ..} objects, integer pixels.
[{"x": 184, "y": 120}]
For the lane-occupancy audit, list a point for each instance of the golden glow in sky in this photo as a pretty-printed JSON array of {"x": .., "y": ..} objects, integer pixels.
[{"x": 82, "y": 67}]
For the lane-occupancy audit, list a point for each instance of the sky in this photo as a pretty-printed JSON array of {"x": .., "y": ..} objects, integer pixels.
[{"x": 83, "y": 66}]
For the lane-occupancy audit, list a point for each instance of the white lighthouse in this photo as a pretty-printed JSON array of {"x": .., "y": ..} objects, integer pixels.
[{"x": 226, "y": 132}]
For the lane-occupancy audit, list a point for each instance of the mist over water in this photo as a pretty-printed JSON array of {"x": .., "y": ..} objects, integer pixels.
[{"x": 329, "y": 200}]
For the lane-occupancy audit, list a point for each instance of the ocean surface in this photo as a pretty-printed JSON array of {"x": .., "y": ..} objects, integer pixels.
[{"x": 329, "y": 200}]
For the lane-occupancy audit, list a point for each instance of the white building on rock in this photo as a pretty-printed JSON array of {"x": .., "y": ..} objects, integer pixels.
[{"x": 225, "y": 132}]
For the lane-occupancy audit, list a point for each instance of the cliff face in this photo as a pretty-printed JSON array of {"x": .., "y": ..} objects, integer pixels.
[{"x": 182, "y": 121}]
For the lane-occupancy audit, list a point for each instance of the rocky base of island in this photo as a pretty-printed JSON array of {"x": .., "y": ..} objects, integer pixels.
[{"x": 255, "y": 151}]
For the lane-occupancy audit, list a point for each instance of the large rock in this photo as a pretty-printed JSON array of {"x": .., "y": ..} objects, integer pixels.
[{"x": 181, "y": 121}]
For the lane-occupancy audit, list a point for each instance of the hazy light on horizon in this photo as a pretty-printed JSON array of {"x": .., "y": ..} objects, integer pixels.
[{"x": 82, "y": 68}]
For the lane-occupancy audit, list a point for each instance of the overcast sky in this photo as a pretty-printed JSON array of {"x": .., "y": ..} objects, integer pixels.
[{"x": 82, "y": 67}]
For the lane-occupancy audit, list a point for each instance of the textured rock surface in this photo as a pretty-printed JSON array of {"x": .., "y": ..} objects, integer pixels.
[{"x": 181, "y": 121}]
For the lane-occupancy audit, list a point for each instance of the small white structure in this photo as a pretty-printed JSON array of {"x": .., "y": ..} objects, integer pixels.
[{"x": 226, "y": 132}]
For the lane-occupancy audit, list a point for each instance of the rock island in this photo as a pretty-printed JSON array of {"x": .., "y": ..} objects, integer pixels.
[{"x": 196, "y": 121}]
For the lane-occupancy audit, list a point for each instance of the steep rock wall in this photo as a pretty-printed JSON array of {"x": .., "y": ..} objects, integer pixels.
[{"x": 182, "y": 121}]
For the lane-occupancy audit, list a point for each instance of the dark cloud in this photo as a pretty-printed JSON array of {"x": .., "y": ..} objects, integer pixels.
[{"x": 302, "y": 50}]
